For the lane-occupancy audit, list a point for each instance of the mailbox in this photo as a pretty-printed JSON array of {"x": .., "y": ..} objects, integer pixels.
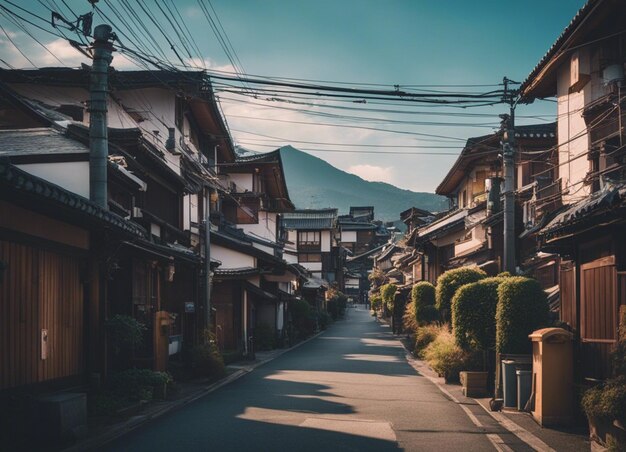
[{"x": 552, "y": 383}]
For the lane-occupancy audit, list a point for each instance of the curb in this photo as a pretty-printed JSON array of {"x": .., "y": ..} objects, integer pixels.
[
  {"x": 524, "y": 435},
  {"x": 137, "y": 421}
]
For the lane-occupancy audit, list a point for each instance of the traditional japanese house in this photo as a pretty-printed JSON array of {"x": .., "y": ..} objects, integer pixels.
[
  {"x": 166, "y": 136},
  {"x": 310, "y": 235},
  {"x": 471, "y": 233},
  {"x": 584, "y": 69},
  {"x": 254, "y": 283}
]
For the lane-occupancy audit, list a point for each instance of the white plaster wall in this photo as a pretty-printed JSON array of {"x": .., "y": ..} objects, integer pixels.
[
  {"x": 478, "y": 237},
  {"x": 312, "y": 266},
  {"x": 449, "y": 239},
  {"x": 73, "y": 176},
  {"x": 265, "y": 228},
  {"x": 348, "y": 236},
  {"x": 572, "y": 134},
  {"x": 291, "y": 258},
  {"x": 325, "y": 238},
  {"x": 231, "y": 258},
  {"x": 267, "y": 249},
  {"x": 243, "y": 182},
  {"x": 286, "y": 286}
]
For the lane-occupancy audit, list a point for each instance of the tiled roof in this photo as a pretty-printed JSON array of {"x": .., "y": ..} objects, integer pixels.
[
  {"x": 487, "y": 147},
  {"x": 310, "y": 219},
  {"x": 40, "y": 141},
  {"x": 236, "y": 273},
  {"x": 552, "y": 51},
  {"x": 43, "y": 194},
  {"x": 607, "y": 201},
  {"x": 356, "y": 225}
]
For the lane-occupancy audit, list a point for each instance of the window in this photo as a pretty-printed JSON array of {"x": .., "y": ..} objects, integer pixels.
[
  {"x": 310, "y": 257},
  {"x": 309, "y": 240}
]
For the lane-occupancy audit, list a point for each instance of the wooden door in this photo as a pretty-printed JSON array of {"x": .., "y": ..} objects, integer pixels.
[{"x": 598, "y": 315}]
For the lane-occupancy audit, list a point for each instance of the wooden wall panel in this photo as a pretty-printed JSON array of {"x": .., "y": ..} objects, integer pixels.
[
  {"x": 567, "y": 286},
  {"x": 40, "y": 290},
  {"x": 598, "y": 315}
]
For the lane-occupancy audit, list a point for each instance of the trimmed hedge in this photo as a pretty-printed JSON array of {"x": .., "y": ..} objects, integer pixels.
[
  {"x": 423, "y": 297},
  {"x": 474, "y": 314},
  {"x": 387, "y": 293},
  {"x": 522, "y": 308},
  {"x": 376, "y": 301},
  {"x": 449, "y": 282}
]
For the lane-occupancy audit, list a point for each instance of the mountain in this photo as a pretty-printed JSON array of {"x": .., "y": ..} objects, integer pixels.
[{"x": 314, "y": 183}]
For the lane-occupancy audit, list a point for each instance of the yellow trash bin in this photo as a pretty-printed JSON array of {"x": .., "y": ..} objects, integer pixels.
[{"x": 552, "y": 384}]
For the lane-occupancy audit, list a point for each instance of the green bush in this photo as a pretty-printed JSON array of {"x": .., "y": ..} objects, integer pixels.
[
  {"x": 324, "y": 319},
  {"x": 448, "y": 359},
  {"x": 124, "y": 332},
  {"x": 337, "y": 303},
  {"x": 522, "y": 308},
  {"x": 425, "y": 335},
  {"x": 423, "y": 297},
  {"x": 106, "y": 404},
  {"x": 619, "y": 353},
  {"x": 607, "y": 401},
  {"x": 206, "y": 359},
  {"x": 449, "y": 282},
  {"x": 388, "y": 293},
  {"x": 264, "y": 337},
  {"x": 474, "y": 314},
  {"x": 138, "y": 384},
  {"x": 376, "y": 301},
  {"x": 409, "y": 324},
  {"x": 303, "y": 318}
]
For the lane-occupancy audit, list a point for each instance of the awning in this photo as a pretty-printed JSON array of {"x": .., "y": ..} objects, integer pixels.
[{"x": 251, "y": 288}]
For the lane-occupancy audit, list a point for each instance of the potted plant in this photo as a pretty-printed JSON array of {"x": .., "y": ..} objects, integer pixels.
[{"x": 605, "y": 405}]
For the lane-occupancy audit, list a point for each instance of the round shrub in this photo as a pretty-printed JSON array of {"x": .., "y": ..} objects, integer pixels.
[
  {"x": 607, "y": 401},
  {"x": 474, "y": 314},
  {"x": 387, "y": 293},
  {"x": 206, "y": 359},
  {"x": 303, "y": 318},
  {"x": 409, "y": 324},
  {"x": 423, "y": 297},
  {"x": 376, "y": 301},
  {"x": 522, "y": 308},
  {"x": 450, "y": 281}
]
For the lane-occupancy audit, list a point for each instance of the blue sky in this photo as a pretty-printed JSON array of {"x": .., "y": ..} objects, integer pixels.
[{"x": 361, "y": 41}]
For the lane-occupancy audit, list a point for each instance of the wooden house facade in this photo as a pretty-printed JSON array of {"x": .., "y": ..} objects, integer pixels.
[{"x": 584, "y": 69}]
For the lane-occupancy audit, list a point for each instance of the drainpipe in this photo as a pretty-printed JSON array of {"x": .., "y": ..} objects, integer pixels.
[{"x": 98, "y": 138}]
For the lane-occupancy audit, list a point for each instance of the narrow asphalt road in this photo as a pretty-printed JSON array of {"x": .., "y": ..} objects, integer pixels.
[{"x": 349, "y": 389}]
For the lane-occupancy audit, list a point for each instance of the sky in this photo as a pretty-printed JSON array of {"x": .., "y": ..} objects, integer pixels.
[{"x": 392, "y": 42}]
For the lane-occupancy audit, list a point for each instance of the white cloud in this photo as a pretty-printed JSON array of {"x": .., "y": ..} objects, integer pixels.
[{"x": 373, "y": 173}]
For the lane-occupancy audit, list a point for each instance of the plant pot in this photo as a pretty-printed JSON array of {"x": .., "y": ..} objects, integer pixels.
[
  {"x": 474, "y": 383},
  {"x": 607, "y": 433}
]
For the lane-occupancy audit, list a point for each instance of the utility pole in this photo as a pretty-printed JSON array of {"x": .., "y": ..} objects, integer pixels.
[
  {"x": 207, "y": 264},
  {"x": 508, "y": 160},
  {"x": 98, "y": 136}
]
